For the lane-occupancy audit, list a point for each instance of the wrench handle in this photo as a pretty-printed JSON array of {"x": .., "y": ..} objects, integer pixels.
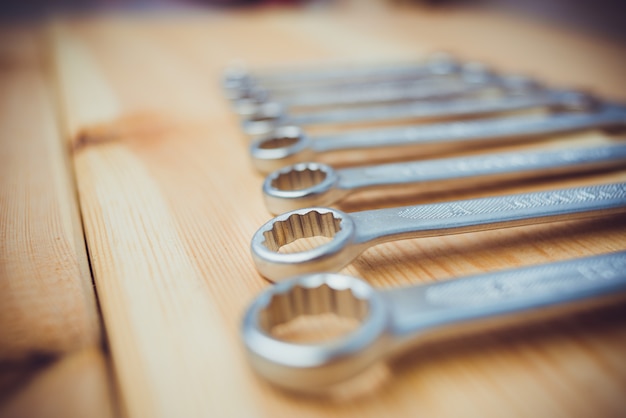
[
  {"x": 384, "y": 93},
  {"x": 435, "y": 174},
  {"x": 448, "y": 218},
  {"x": 438, "y": 64},
  {"x": 427, "y": 110},
  {"x": 454, "y": 134},
  {"x": 462, "y": 305}
]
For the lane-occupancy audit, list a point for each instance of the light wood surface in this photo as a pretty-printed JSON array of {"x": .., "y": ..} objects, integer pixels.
[
  {"x": 52, "y": 362},
  {"x": 47, "y": 301},
  {"x": 169, "y": 203},
  {"x": 76, "y": 386}
]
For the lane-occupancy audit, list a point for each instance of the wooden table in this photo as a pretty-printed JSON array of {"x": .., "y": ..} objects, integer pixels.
[{"x": 115, "y": 133}]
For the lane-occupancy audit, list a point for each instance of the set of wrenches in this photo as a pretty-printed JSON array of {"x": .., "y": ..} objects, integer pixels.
[{"x": 430, "y": 107}]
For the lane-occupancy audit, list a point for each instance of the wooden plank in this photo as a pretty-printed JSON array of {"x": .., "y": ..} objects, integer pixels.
[
  {"x": 170, "y": 203},
  {"x": 51, "y": 356},
  {"x": 47, "y": 303},
  {"x": 74, "y": 387},
  {"x": 151, "y": 279}
]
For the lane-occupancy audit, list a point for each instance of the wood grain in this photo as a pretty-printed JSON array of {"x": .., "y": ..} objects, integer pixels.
[
  {"x": 47, "y": 302},
  {"x": 170, "y": 202},
  {"x": 52, "y": 362},
  {"x": 76, "y": 386}
]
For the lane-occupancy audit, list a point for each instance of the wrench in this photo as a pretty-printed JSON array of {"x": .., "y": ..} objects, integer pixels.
[
  {"x": 273, "y": 115},
  {"x": 353, "y": 233},
  {"x": 468, "y": 73},
  {"x": 393, "y": 321},
  {"x": 315, "y": 184},
  {"x": 250, "y": 104},
  {"x": 437, "y": 64},
  {"x": 288, "y": 145}
]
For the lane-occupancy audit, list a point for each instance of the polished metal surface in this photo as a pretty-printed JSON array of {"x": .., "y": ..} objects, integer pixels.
[
  {"x": 315, "y": 184},
  {"x": 289, "y": 145},
  {"x": 237, "y": 80},
  {"x": 388, "y": 92},
  {"x": 395, "y": 320},
  {"x": 352, "y": 233},
  {"x": 273, "y": 115}
]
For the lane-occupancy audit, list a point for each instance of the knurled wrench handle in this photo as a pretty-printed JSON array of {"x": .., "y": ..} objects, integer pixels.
[
  {"x": 474, "y": 130},
  {"x": 353, "y": 233},
  {"x": 430, "y": 173},
  {"x": 420, "y": 312},
  {"x": 433, "y": 109},
  {"x": 487, "y": 213}
]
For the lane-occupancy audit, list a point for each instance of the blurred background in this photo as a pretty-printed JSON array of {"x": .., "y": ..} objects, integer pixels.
[{"x": 603, "y": 18}]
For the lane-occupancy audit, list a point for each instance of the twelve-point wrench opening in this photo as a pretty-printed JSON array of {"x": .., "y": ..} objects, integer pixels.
[
  {"x": 265, "y": 120},
  {"x": 286, "y": 145},
  {"x": 301, "y": 185},
  {"x": 298, "y": 366},
  {"x": 304, "y": 223}
]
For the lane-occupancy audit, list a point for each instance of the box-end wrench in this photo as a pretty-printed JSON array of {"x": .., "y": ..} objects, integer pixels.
[
  {"x": 469, "y": 77},
  {"x": 470, "y": 73},
  {"x": 273, "y": 115},
  {"x": 378, "y": 93},
  {"x": 388, "y": 93},
  {"x": 393, "y": 321},
  {"x": 315, "y": 184},
  {"x": 289, "y": 145},
  {"x": 237, "y": 79},
  {"x": 352, "y": 233}
]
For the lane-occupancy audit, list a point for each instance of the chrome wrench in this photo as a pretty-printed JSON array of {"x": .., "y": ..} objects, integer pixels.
[
  {"x": 273, "y": 115},
  {"x": 427, "y": 89},
  {"x": 437, "y": 64},
  {"x": 468, "y": 73},
  {"x": 353, "y": 233},
  {"x": 424, "y": 90},
  {"x": 288, "y": 145},
  {"x": 315, "y": 184},
  {"x": 393, "y": 321}
]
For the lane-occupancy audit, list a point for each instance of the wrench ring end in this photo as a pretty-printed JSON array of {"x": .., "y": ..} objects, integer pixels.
[
  {"x": 264, "y": 120},
  {"x": 285, "y": 145},
  {"x": 246, "y": 107},
  {"x": 304, "y": 223},
  {"x": 306, "y": 367},
  {"x": 301, "y": 185}
]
